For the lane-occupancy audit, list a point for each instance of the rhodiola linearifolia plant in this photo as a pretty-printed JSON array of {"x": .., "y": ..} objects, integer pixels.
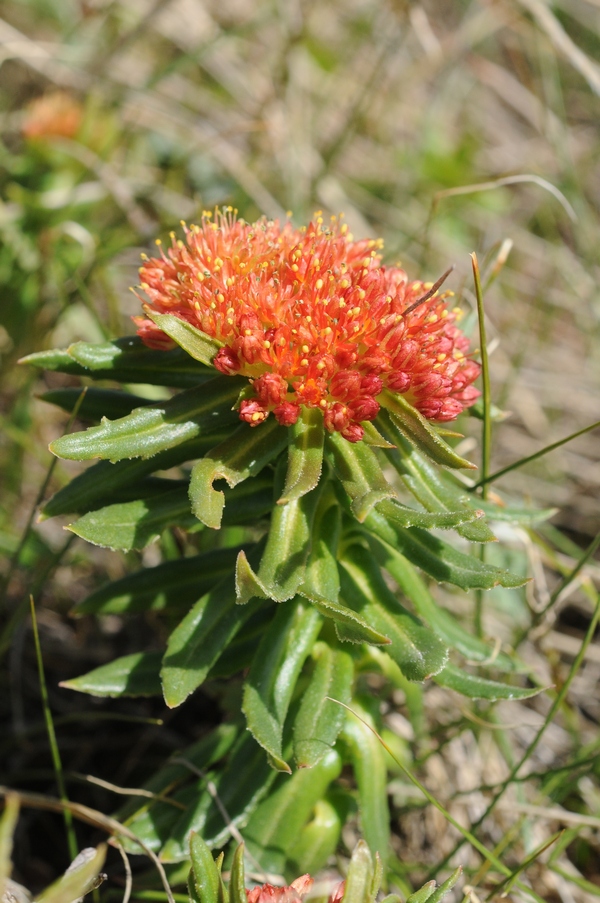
[{"x": 315, "y": 388}]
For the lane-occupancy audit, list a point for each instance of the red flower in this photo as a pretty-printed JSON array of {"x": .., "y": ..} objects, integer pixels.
[
  {"x": 267, "y": 893},
  {"x": 312, "y": 318}
]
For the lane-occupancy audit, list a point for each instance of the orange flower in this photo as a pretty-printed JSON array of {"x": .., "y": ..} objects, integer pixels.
[
  {"x": 312, "y": 318},
  {"x": 53, "y": 115},
  {"x": 267, "y": 893}
]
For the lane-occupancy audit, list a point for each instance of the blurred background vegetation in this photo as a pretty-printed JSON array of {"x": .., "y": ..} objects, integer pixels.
[{"x": 443, "y": 127}]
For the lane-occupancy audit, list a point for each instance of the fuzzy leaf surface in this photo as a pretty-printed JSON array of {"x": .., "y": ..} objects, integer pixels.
[
  {"x": 273, "y": 675},
  {"x": 368, "y": 761},
  {"x": 243, "y": 454},
  {"x": 198, "y": 641},
  {"x": 130, "y": 675},
  {"x": 149, "y": 430},
  {"x": 319, "y": 720},
  {"x": 439, "y": 559},
  {"x": 283, "y": 564},
  {"x": 172, "y": 586},
  {"x": 415, "y": 647},
  {"x": 102, "y": 482},
  {"x": 420, "y": 432},
  {"x": 125, "y": 360},
  {"x": 480, "y": 687},
  {"x": 305, "y": 455},
  {"x": 432, "y": 486},
  {"x": 447, "y": 627},
  {"x": 359, "y": 471},
  {"x": 240, "y": 786},
  {"x": 198, "y": 345},
  {"x": 133, "y": 525},
  {"x": 277, "y": 823}
]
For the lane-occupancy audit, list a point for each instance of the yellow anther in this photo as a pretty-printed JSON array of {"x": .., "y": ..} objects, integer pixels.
[
  {"x": 305, "y": 349},
  {"x": 442, "y": 357},
  {"x": 158, "y": 242},
  {"x": 197, "y": 305},
  {"x": 362, "y": 294},
  {"x": 328, "y": 330},
  {"x": 266, "y": 344},
  {"x": 344, "y": 283},
  {"x": 355, "y": 311},
  {"x": 247, "y": 332},
  {"x": 444, "y": 314},
  {"x": 319, "y": 284},
  {"x": 342, "y": 303},
  {"x": 321, "y": 365},
  {"x": 322, "y": 403},
  {"x": 304, "y": 362},
  {"x": 213, "y": 306},
  {"x": 218, "y": 262},
  {"x": 295, "y": 267},
  {"x": 144, "y": 256},
  {"x": 308, "y": 319},
  {"x": 432, "y": 318},
  {"x": 258, "y": 415},
  {"x": 229, "y": 282},
  {"x": 344, "y": 229},
  {"x": 145, "y": 286},
  {"x": 229, "y": 321},
  {"x": 220, "y": 297}
]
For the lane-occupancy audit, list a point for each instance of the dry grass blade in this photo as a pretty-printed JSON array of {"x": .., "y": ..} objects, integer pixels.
[{"x": 92, "y": 817}]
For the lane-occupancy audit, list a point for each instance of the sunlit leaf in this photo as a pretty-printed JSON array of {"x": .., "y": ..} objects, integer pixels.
[{"x": 130, "y": 675}]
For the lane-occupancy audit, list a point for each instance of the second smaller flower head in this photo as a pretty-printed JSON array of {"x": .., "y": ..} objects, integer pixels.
[{"x": 313, "y": 319}]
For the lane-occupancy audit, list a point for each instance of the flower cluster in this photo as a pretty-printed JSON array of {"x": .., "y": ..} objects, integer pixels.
[
  {"x": 55, "y": 115},
  {"x": 313, "y": 318},
  {"x": 297, "y": 890}
]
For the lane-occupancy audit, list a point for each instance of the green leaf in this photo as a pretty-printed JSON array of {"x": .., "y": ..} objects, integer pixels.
[
  {"x": 318, "y": 840},
  {"x": 423, "y": 894},
  {"x": 172, "y": 586},
  {"x": 415, "y": 648},
  {"x": 448, "y": 628},
  {"x": 96, "y": 403},
  {"x": 276, "y": 825},
  {"x": 125, "y": 360},
  {"x": 439, "y": 559},
  {"x": 319, "y": 720},
  {"x": 305, "y": 455},
  {"x": 237, "y": 881},
  {"x": 204, "y": 873},
  {"x": 133, "y": 525},
  {"x": 358, "y": 469},
  {"x": 445, "y": 888},
  {"x": 103, "y": 482},
  {"x": 240, "y": 652},
  {"x": 368, "y": 761},
  {"x": 360, "y": 876},
  {"x": 202, "y": 754},
  {"x": 283, "y": 563},
  {"x": 420, "y": 432},
  {"x": 149, "y": 430},
  {"x": 201, "y": 637},
  {"x": 480, "y": 687},
  {"x": 240, "y": 786},
  {"x": 399, "y": 514},
  {"x": 243, "y": 454},
  {"x": 350, "y": 627},
  {"x": 273, "y": 675},
  {"x": 200, "y": 346},
  {"x": 77, "y": 881},
  {"x": 8, "y": 823},
  {"x": 511, "y": 514},
  {"x": 321, "y": 577},
  {"x": 433, "y": 487},
  {"x": 129, "y": 675}
]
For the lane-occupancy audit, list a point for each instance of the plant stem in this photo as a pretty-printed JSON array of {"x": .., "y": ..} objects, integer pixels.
[{"x": 56, "y": 761}]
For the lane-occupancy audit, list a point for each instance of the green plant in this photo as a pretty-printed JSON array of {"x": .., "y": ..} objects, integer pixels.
[{"x": 280, "y": 581}]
